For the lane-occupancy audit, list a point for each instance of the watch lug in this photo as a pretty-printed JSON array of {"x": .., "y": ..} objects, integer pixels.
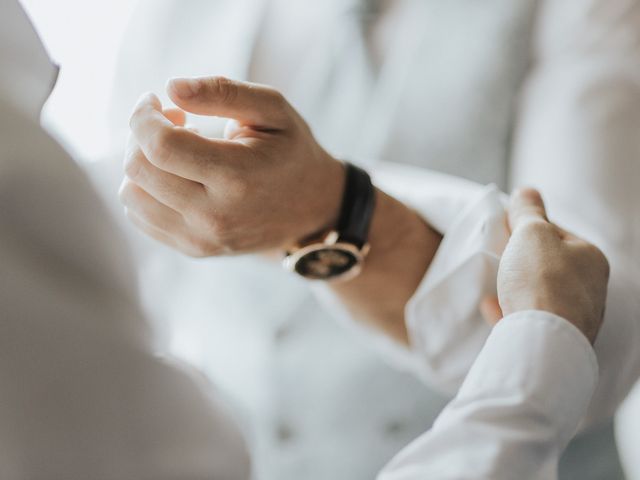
[{"x": 331, "y": 238}]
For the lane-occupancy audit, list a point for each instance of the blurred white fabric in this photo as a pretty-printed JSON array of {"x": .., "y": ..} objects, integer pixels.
[
  {"x": 628, "y": 433},
  {"x": 84, "y": 392}
]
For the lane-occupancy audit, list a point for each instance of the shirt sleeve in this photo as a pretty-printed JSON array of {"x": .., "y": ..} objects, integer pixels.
[{"x": 516, "y": 411}]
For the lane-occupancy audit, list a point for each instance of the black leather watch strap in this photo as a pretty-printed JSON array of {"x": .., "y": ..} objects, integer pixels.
[{"x": 358, "y": 204}]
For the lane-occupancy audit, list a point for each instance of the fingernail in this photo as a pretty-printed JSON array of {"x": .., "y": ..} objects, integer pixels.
[{"x": 185, "y": 87}]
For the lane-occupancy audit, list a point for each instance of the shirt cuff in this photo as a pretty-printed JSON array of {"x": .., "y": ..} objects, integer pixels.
[
  {"x": 446, "y": 329},
  {"x": 542, "y": 359}
]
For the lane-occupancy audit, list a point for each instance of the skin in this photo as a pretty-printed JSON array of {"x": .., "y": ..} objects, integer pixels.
[
  {"x": 544, "y": 267},
  {"x": 262, "y": 188},
  {"x": 268, "y": 184}
]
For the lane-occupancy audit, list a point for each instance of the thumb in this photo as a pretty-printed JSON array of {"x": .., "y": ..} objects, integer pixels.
[
  {"x": 526, "y": 205},
  {"x": 249, "y": 103},
  {"x": 175, "y": 116}
]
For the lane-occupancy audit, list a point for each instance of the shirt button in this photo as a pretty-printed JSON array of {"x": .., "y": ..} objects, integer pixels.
[
  {"x": 284, "y": 433},
  {"x": 282, "y": 332},
  {"x": 394, "y": 427}
]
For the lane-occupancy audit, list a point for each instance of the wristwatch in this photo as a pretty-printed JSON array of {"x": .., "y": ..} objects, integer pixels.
[{"x": 339, "y": 253}]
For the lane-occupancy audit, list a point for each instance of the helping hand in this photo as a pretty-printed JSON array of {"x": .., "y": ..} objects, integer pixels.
[{"x": 547, "y": 268}]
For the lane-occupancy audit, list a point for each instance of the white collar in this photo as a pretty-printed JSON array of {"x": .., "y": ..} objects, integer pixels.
[{"x": 27, "y": 75}]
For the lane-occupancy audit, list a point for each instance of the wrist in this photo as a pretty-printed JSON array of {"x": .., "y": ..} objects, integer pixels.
[
  {"x": 398, "y": 228},
  {"x": 325, "y": 200},
  {"x": 402, "y": 246},
  {"x": 338, "y": 252}
]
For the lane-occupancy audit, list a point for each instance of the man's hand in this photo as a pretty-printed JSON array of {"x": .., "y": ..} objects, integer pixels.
[
  {"x": 546, "y": 268},
  {"x": 266, "y": 185}
]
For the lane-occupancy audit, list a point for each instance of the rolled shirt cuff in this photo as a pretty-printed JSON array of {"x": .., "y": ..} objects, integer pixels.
[{"x": 446, "y": 329}]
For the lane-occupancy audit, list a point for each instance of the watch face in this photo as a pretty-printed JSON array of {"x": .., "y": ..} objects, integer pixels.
[{"x": 326, "y": 263}]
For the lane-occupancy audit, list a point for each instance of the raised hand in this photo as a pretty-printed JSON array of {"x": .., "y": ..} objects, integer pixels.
[{"x": 266, "y": 185}]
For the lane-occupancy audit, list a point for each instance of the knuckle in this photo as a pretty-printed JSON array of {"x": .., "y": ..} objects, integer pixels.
[
  {"x": 125, "y": 194},
  {"x": 277, "y": 96},
  {"x": 133, "y": 119},
  {"x": 279, "y": 104},
  {"x": 216, "y": 225},
  {"x": 196, "y": 216},
  {"x": 223, "y": 89},
  {"x": 133, "y": 164},
  {"x": 198, "y": 248},
  {"x": 223, "y": 232},
  {"x": 161, "y": 143},
  {"x": 138, "y": 114},
  {"x": 238, "y": 188},
  {"x": 537, "y": 228},
  {"x": 220, "y": 227},
  {"x": 599, "y": 258},
  {"x": 551, "y": 274}
]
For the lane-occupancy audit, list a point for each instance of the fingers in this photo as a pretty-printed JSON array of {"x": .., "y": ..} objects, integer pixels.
[
  {"x": 149, "y": 209},
  {"x": 490, "y": 310},
  {"x": 178, "y": 150},
  {"x": 148, "y": 119},
  {"x": 249, "y": 103},
  {"x": 161, "y": 223},
  {"x": 176, "y": 192},
  {"x": 526, "y": 206},
  {"x": 150, "y": 230},
  {"x": 176, "y": 116}
]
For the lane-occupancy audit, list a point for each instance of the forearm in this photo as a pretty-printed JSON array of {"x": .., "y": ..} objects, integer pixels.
[{"x": 402, "y": 247}]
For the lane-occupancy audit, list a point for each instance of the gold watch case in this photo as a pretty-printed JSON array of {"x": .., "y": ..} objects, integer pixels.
[{"x": 327, "y": 259}]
